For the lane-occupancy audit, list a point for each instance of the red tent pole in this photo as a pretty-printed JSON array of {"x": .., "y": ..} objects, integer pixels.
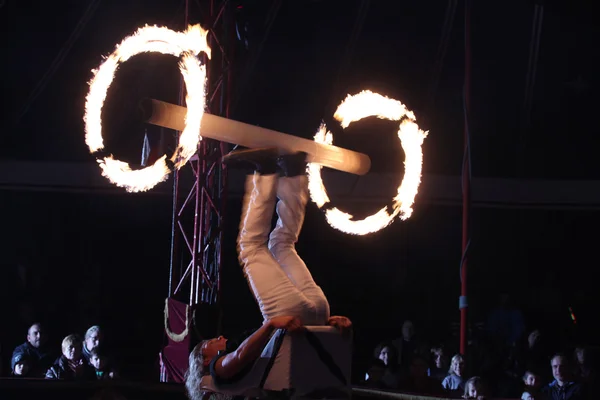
[{"x": 466, "y": 187}]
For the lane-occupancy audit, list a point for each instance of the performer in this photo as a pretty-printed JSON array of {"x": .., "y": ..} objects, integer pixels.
[{"x": 282, "y": 285}]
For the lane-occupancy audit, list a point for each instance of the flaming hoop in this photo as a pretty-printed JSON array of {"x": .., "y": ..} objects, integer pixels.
[
  {"x": 186, "y": 45},
  {"x": 354, "y": 108}
]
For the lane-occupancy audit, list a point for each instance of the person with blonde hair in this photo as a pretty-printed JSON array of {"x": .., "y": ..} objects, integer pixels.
[
  {"x": 71, "y": 365},
  {"x": 282, "y": 285},
  {"x": 454, "y": 380},
  {"x": 474, "y": 388},
  {"x": 91, "y": 340}
]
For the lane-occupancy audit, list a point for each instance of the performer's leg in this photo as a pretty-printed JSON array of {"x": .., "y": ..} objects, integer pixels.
[
  {"x": 293, "y": 196},
  {"x": 272, "y": 289}
]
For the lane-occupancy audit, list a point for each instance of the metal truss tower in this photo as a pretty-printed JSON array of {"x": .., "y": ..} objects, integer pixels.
[
  {"x": 196, "y": 247},
  {"x": 198, "y": 212}
]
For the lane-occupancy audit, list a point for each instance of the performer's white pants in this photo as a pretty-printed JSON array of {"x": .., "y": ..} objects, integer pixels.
[{"x": 281, "y": 282}]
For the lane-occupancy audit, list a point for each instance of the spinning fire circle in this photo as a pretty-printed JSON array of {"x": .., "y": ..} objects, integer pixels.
[
  {"x": 354, "y": 108},
  {"x": 186, "y": 45}
]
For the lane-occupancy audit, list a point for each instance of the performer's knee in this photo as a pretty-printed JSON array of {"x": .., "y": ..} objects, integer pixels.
[
  {"x": 279, "y": 247},
  {"x": 315, "y": 310},
  {"x": 247, "y": 247}
]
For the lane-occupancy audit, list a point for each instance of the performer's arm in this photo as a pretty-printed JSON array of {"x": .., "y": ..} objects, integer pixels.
[{"x": 234, "y": 362}]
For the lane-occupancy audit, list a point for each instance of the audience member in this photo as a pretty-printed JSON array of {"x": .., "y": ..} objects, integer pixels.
[
  {"x": 407, "y": 345},
  {"x": 455, "y": 381},
  {"x": 375, "y": 374},
  {"x": 564, "y": 386},
  {"x": 101, "y": 364},
  {"x": 418, "y": 381},
  {"x": 536, "y": 355},
  {"x": 387, "y": 353},
  {"x": 439, "y": 369},
  {"x": 533, "y": 383},
  {"x": 38, "y": 356},
  {"x": 475, "y": 389},
  {"x": 92, "y": 339},
  {"x": 71, "y": 365}
]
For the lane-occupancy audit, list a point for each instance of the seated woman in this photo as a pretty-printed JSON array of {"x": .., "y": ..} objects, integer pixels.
[
  {"x": 282, "y": 285},
  {"x": 71, "y": 364},
  {"x": 388, "y": 353}
]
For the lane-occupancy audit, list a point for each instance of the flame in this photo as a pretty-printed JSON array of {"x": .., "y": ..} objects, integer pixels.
[
  {"x": 373, "y": 223},
  {"x": 354, "y": 108},
  {"x": 194, "y": 76},
  {"x": 316, "y": 187},
  {"x": 119, "y": 173},
  {"x": 187, "y": 45},
  {"x": 368, "y": 104},
  {"x": 412, "y": 139}
]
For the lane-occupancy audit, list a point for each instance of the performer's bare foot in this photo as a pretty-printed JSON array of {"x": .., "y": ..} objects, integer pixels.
[
  {"x": 343, "y": 324},
  {"x": 263, "y": 160}
]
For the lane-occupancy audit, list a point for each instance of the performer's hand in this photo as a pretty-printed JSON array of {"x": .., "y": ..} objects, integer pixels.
[
  {"x": 342, "y": 323},
  {"x": 291, "y": 324}
]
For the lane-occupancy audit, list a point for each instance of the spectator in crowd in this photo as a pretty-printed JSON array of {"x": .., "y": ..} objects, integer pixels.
[
  {"x": 407, "y": 345},
  {"x": 35, "y": 351},
  {"x": 101, "y": 365},
  {"x": 439, "y": 368},
  {"x": 418, "y": 381},
  {"x": 375, "y": 374},
  {"x": 455, "y": 381},
  {"x": 535, "y": 356},
  {"x": 92, "y": 339},
  {"x": 533, "y": 383},
  {"x": 475, "y": 389},
  {"x": 71, "y": 365},
  {"x": 387, "y": 353},
  {"x": 564, "y": 386},
  {"x": 586, "y": 361}
]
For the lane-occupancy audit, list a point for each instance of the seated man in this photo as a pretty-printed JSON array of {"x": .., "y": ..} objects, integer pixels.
[
  {"x": 564, "y": 386},
  {"x": 35, "y": 351},
  {"x": 282, "y": 285}
]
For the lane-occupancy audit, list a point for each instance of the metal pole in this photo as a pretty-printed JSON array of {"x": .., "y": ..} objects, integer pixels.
[
  {"x": 224, "y": 147},
  {"x": 466, "y": 184},
  {"x": 174, "y": 259}
]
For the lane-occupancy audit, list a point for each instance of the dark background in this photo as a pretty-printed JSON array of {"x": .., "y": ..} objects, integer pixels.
[{"x": 103, "y": 258}]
